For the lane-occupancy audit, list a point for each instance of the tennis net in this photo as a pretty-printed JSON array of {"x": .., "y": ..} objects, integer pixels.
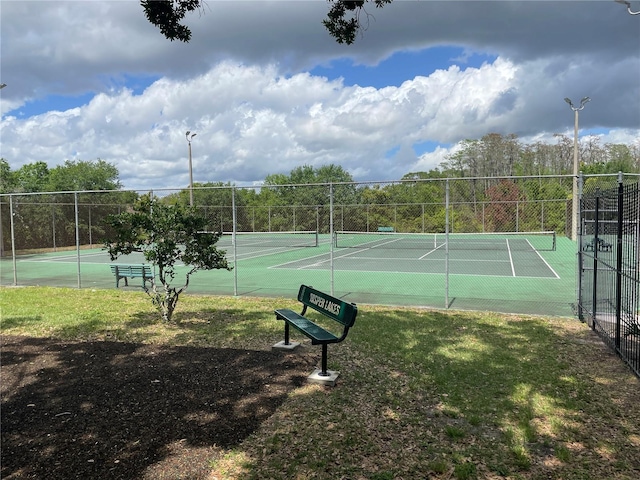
[
  {"x": 269, "y": 239},
  {"x": 531, "y": 241}
]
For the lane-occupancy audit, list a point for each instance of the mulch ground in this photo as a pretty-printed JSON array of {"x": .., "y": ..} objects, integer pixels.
[{"x": 112, "y": 410}]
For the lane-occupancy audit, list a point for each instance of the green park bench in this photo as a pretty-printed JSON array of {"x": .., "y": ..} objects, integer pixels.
[
  {"x": 386, "y": 229},
  {"x": 132, "y": 271},
  {"x": 332, "y": 308}
]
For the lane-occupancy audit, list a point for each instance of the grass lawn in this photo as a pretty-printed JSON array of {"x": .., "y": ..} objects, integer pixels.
[{"x": 422, "y": 394}]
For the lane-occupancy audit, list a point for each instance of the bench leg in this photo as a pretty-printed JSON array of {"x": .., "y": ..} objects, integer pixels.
[
  {"x": 324, "y": 372},
  {"x": 322, "y": 376},
  {"x": 286, "y": 333},
  {"x": 286, "y": 344}
]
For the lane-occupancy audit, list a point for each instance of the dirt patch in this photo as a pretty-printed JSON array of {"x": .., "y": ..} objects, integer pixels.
[{"x": 113, "y": 410}]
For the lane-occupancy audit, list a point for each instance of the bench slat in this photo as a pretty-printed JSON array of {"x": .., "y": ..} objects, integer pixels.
[
  {"x": 342, "y": 312},
  {"x": 131, "y": 271},
  {"x": 306, "y": 326}
]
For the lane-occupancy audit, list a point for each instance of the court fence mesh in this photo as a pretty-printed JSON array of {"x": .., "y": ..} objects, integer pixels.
[
  {"x": 496, "y": 243},
  {"x": 608, "y": 261}
]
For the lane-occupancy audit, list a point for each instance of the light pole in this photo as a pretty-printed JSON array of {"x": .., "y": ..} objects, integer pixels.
[
  {"x": 190, "y": 136},
  {"x": 574, "y": 205},
  {"x": 628, "y": 4},
  {"x": 2, "y": 85}
]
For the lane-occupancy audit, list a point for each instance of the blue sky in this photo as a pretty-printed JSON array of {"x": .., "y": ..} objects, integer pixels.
[
  {"x": 392, "y": 71},
  {"x": 88, "y": 80},
  {"x": 400, "y": 66}
]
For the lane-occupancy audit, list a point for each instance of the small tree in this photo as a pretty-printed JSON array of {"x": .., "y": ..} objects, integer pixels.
[{"x": 166, "y": 235}]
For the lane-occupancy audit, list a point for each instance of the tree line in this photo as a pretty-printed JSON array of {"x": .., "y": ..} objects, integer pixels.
[
  {"x": 300, "y": 199},
  {"x": 493, "y": 155}
]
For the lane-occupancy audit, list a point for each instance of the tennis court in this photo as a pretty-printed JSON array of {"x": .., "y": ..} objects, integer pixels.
[
  {"x": 517, "y": 273},
  {"x": 510, "y": 255}
]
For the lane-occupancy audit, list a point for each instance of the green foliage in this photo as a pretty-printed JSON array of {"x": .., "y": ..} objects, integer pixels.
[
  {"x": 166, "y": 235},
  {"x": 83, "y": 175},
  {"x": 32, "y": 177},
  {"x": 6, "y": 177},
  {"x": 74, "y": 175}
]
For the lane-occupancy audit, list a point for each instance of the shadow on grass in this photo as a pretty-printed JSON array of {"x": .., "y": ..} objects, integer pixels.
[
  {"x": 461, "y": 392},
  {"x": 428, "y": 394},
  {"x": 111, "y": 410},
  {"x": 542, "y": 386},
  {"x": 20, "y": 322}
]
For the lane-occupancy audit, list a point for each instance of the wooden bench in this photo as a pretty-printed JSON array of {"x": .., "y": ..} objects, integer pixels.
[
  {"x": 332, "y": 308},
  {"x": 602, "y": 245},
  {"x": 132, "y": 271}
]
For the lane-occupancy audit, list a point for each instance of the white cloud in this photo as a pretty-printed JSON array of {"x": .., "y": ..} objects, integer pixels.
[{"x": 241, "y": 85}]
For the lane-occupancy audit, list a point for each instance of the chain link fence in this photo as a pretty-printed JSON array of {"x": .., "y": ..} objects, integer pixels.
[
  {"x": 56, "y": 239},
  {"x": 608, "y": 262}
]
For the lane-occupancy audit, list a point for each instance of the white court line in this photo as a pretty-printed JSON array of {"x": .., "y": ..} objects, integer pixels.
[
  {"x": 404, "y": 272},
  {"x": 280, "y": 265},
  {"x": 263, "y": 252},
  {"x": 74, "y": 256},
  {"x": 545, "y": 262},
  {"x": 453, "y": 260},
  {"x": 429, "y": 253},
  {"x": 513, "y": 268}
]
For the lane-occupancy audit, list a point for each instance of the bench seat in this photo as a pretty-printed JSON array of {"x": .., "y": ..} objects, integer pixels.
[{"x": 315, "y": 332}]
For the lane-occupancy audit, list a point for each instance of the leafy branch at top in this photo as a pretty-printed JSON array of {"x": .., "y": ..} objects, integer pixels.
[{"x": 343, "y": 21}]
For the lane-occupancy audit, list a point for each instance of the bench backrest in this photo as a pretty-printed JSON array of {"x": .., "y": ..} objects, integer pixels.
[
  {"x": 342, "y": 312},
  {"x": 131, "y": 269}
]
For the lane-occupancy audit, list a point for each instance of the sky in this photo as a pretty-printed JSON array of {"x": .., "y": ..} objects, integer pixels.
[{"x": 266, "y": 89}]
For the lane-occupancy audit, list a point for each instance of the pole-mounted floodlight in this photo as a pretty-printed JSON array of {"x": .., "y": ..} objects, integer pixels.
[
  {"x": 189, "y": 137},
  {"x": 583, "y": 102},
  {"x": 574, "y": 206},
  {"x": 628, "y": 5},
  {"x": 2, "y": 85}
]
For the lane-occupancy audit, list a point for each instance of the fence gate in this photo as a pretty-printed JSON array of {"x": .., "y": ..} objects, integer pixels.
[{"x": 608, "y": 260}]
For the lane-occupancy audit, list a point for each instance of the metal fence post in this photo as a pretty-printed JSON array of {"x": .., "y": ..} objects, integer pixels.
[
  {"x": 13, "y": 242},
  {"x": 619, "y": 259},
  {"x": 446, "y": 244},
  {"x": 75, "y": 206},
  {"x": 331, "y": 236},
  {"x": 580, "y": 256},
  {"x": 596, "y": 227},
  {"x": 235, "y": 243}
]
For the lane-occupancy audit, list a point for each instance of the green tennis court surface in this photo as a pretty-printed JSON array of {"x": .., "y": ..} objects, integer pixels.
[{"x": 517, "y": 273}]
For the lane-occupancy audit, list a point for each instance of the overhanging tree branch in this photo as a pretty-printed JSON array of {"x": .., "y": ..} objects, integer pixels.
[
  {"x": 343, "y": 21},
  {"x": 167, "y": 15}
]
